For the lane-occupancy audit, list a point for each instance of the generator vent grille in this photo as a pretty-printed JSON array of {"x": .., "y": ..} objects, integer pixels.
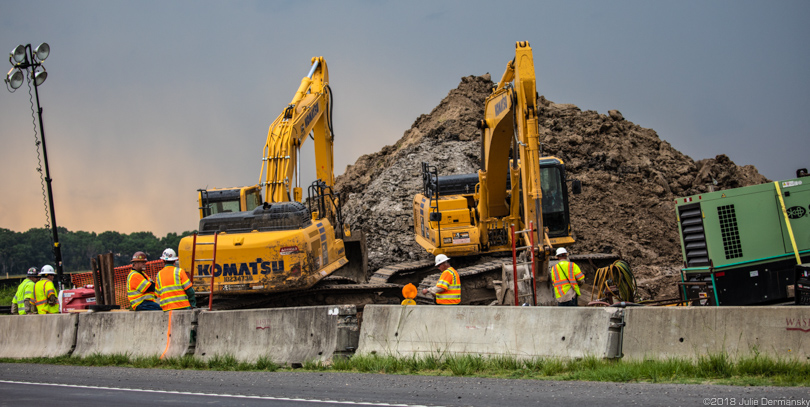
[
  {"x": 729, "y": 231},
  {"x": 694, "y": 238}
]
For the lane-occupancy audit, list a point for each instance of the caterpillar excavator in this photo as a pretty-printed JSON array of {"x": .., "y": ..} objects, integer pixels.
[
  {"x": 282, "y": 245},
  {"x": 470, "y": 217}
]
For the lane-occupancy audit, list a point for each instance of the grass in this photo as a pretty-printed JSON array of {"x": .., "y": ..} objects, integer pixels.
[{"x": 755, "y": 370}]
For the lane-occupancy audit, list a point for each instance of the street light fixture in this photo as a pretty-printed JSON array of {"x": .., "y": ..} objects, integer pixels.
[{"x": 24, "y": 60}]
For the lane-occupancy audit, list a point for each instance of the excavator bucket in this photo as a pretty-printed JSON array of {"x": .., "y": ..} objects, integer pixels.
[{"x": 357, "y": 268}]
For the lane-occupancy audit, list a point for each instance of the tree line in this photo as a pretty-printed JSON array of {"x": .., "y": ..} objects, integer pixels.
[{"x": 33, "y": 248}]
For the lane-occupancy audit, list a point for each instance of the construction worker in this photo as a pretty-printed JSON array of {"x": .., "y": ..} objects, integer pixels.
[
  {"x": 448, "y": 288},
  {"x": 45, "y": 292},
  {"x": 24, "y": 302},
  {"x": 140, "y": 289},
  {"x": 173, "y": 286},
  {"x": 566, "y": 275}
]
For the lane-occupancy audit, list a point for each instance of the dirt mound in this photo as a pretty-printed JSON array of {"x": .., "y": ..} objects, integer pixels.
[{"x": 630, "y": 179}]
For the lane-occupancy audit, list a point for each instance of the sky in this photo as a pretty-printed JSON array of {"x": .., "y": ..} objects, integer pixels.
[{"x": 148, "y": 101}]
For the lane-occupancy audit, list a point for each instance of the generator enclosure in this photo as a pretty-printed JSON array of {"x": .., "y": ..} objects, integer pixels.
[
  {"x": 77, "y": 299},
  {"x": 736, "y": 245}
]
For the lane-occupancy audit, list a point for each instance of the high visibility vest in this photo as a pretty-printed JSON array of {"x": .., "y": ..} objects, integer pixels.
[
  {"x": 42, "y": 290},
  {"x": 24, "y": 291},
  {"x": 171, "y": 285},
  {"x": 562, "y": 278},
  {"x": 137, "y": 283},
  {"x": 451, "y": 284}
]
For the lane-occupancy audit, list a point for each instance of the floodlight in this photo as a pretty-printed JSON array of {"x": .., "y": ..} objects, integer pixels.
[
  {"x": 40, "y": 77},
  {"x": 15, "y": 80},
  {"x": 42, "y": 51},
  {"x": 18, "y": 53}
]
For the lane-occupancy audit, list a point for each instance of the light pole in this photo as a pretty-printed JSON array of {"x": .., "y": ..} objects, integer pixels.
[{"x": 25, "y": 60}]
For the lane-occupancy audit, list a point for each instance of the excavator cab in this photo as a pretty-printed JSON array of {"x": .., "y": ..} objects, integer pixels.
[
  {"x": 446, "y": 218},
  {"x": 556, "y": 217},
  {"x": 220, "y": 200}
]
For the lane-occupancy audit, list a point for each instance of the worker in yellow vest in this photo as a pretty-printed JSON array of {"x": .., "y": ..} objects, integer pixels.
[
  {"x": 45, "y": 292},
  {"x": 566, "y": 277},
  {"x": 173, "y": 287},
  {"x": 24, "y": 301},
  {"x": 448, "y": 288},
  {"x": 140, "y": 289}
]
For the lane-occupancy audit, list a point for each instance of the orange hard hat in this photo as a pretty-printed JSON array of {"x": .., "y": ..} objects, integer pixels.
[{"x": 139, "y": 256}]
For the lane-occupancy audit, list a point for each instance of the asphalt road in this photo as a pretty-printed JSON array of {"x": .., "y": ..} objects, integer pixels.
[{"x": 48, "y": 385}]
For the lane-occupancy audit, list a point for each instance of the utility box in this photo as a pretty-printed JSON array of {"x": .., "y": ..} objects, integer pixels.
[
  {"x": 77, "y": 299},
  {"x": 736, "y": 245}
]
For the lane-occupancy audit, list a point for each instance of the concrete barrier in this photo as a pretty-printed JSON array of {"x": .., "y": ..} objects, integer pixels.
[
  {"x": 30, "y": 336},
  {"x": 690, "y": 332},
  {"x": 142, "y": 333},
  {"x": 284, "y": 335},
  {"x": 522, "y": 332}
]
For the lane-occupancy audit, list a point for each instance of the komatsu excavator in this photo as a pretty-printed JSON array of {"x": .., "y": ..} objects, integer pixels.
[
  {"x": 282, "y": 243},
  {"x": 516, "y": 188}
]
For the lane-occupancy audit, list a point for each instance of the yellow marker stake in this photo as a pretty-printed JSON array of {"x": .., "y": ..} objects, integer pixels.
[{"x": 787, "y": 221}]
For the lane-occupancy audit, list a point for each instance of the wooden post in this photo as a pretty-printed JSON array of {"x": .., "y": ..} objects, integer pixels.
[
  {"x": 108, "y": 278},
  {"x": 94, "y": 263}
]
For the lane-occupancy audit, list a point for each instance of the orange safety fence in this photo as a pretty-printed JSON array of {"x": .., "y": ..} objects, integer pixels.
[{"x": 120, "y": 279}]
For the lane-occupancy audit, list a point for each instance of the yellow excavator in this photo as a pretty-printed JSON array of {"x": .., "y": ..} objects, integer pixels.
[
  {"x": 468, "y": 216},
  {"x": 281, "y": 243}
]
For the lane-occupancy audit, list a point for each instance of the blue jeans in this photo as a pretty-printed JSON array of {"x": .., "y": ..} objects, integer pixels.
[
  {"x": 148, "y": 306},
  {"x": 572, "y": 303}
]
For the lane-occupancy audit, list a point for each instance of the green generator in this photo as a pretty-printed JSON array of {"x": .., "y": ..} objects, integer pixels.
[{"x": 740, "y": 246}]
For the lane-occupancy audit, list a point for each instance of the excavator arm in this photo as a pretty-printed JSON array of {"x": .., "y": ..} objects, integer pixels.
[
  {"x": 309, "y": 112},
  {"x": 511, "y": 123}
]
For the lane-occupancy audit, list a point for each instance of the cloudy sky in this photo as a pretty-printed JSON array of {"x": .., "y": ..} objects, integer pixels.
[{"x": 147, "y": 101}]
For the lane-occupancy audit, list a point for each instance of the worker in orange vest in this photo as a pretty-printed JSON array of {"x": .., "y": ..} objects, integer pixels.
[
  {"x": 448, "y": 288},
  {"x": 140, "y": 289},
  {"x": 173, "y": 286},
  {"x": 566, "y": 277}
]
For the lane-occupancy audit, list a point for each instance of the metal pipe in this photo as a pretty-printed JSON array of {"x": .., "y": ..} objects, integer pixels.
[
  {"x": 57, "y": 249},
  {"x": 213, "y": 266},
  {"x": 314, "y": 67},
  {"x": 298, "y": 166},
  {"x": 514, "y": 264}
]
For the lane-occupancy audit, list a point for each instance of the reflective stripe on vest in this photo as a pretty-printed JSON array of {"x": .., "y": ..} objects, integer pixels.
[
  {"x": 42, "y": 290},
  {"x": 561, "y": 286},
  {"x": 171, "y": 286},
  {"x": 451, "y": 283},
  {"x": 136, "y": 289},
  {"x": 24, "y": 291}
]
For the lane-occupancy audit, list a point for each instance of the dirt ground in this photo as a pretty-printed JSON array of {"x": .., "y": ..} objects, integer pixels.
[{"x": 630, "y": 180}]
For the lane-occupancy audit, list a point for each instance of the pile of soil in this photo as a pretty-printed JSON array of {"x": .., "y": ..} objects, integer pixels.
[{"x": 630, "y": 180}]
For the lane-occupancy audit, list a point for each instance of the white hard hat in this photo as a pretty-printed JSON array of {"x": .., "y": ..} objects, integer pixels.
[
  {"x": 47, "y": 269},
  {"x": 441, "y": 259},
  {"x": 168, "y": 255},
  {"x": 561, "y": 251}
]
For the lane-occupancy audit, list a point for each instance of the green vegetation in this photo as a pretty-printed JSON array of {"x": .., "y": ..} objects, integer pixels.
[
  {"x": 755, "y": 370},
  {"x": 21, "y": 250},
  {"x": 7, "y": 293}
]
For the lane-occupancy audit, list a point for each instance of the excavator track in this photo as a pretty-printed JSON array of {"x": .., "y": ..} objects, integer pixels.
[
  {"x": 403, "y": 273},
  {"x": 385, "y": 286},
  {"x": 320, "y": 294}
]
